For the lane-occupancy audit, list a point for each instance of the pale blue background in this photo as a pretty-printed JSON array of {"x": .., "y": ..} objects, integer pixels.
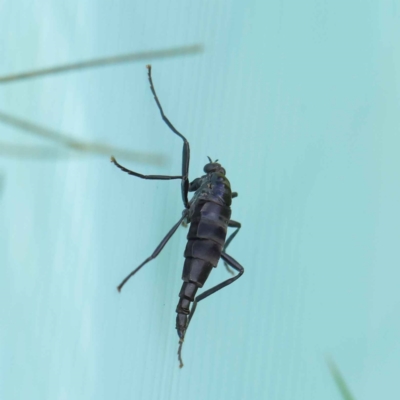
[{"x": 300, "y": 101}]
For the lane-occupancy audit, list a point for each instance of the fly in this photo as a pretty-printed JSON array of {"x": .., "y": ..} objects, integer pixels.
[{"x": 209, "y": 215}]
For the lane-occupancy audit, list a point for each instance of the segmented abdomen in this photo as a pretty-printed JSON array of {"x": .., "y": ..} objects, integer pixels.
[{"x": 206, "y": 238}]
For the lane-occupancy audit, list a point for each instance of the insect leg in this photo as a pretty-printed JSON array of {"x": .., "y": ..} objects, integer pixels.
[
  {"x": 156, "y": 177},
  {"x": 235, "y": 265},
  {"x": 156, "y": 252},
  {"x": 232, "y": 224},
  {"x": 186, "y": 147}
]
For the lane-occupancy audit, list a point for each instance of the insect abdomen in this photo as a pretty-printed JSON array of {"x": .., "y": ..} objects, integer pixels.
[{"x": 206, "y": 238}]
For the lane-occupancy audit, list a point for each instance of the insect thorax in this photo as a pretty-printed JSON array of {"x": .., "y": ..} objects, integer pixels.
[{"x": 214, "y": 187}]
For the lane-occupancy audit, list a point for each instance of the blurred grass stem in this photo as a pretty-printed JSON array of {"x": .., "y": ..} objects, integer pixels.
[
  {"x": 73, "y": 144},
  {"x": 339, "y": 380},
  {"x": 102, "y": 62}
]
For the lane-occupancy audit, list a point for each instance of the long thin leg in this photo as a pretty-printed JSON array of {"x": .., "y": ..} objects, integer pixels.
[
  {"x": 156, "y": 177},
  {"x": 235, "y": 265},
  {"x": 232, "y": 224},
  {"x": 156, "y": 252},
  {"x": 186, "y": 147}
]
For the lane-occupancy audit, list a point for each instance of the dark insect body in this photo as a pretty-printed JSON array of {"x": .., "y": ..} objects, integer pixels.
[{"x": 208, "y": 213}]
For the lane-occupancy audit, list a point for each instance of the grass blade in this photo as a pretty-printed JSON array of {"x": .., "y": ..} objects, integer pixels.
[
  {"x": 73, "y": 144},
  {"x": 102, "y": 62},
  {"x": 339, "y": 380}
]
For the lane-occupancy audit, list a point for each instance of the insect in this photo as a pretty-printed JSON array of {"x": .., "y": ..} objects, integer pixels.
[{"x": 209, "y": 216}]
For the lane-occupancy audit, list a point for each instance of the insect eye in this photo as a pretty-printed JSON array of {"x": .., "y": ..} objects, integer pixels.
[
  {"x": 209, "y": 168},
  {"x": 212, "y": 167}
]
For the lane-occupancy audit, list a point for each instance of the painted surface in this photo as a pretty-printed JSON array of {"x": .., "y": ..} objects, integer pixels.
[{"x": 300, "y": 103}]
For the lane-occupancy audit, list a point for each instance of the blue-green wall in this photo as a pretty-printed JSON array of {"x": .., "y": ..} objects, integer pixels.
[{"x": 300, "y": 102}]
